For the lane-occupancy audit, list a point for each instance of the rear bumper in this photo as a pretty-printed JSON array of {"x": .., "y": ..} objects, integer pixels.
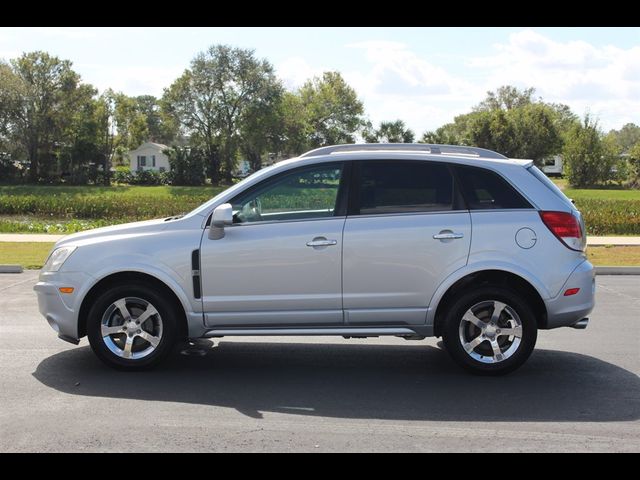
[{"x": 566, "y": 311}]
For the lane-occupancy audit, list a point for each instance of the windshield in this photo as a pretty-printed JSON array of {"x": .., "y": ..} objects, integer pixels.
[{"x": 203, "y": 209}]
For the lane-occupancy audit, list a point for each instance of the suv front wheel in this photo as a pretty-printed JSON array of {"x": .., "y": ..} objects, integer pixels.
[
  {"x": 132, "y": 327},
  {"x": 490, "y": 331}
]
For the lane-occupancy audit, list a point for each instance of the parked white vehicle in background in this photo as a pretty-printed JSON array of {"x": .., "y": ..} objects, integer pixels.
[
  {"x": 411, "y": 240},
  {"x": 553, "y": 166}
]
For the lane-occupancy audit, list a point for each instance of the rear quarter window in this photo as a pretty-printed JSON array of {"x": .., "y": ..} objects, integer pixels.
[{"x": 484, "y": 190}]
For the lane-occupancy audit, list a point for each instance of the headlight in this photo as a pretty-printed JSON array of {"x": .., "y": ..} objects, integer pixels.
[{"x": 57, "y": 258}]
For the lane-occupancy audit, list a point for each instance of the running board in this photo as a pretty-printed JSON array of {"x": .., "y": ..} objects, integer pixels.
[{"x": 364, "y": 332}]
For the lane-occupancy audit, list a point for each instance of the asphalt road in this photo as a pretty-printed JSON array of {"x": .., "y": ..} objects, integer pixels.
[{"x": 579, "y": 391}]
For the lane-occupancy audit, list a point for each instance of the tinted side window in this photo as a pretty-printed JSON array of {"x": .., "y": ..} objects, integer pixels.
[
  {"x": 484, "y": 189},
  {"x": 400, "y": 187}
]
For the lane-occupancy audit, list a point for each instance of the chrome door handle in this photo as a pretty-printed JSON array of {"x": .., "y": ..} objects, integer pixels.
[
  {"x": 448, "y": 235},
  {"x": 321, "y": 242}
]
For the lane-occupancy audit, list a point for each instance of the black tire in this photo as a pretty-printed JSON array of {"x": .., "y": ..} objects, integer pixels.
[
  {"x": 165, "y": 308},
  {"x": 452, "y": 331}
]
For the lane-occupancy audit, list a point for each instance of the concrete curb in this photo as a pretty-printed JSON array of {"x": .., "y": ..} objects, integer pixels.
[
  {"x": 10, "y": 268},
  {"x": 617, "y": 270}
]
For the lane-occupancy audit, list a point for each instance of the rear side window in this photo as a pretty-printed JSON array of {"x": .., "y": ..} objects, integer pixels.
[
  {"x": 404, "y": 187},
  {"x": 539, "y": 174},
  {"x": 484, "y": 189}
]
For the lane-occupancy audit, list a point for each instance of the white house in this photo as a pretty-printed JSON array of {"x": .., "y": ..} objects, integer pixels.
[{"x": 149, "y": 156}]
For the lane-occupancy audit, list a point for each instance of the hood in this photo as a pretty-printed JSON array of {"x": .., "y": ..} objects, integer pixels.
[{"x": 123, "y": 230}]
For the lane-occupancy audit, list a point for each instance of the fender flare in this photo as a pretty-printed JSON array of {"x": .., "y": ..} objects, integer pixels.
[
  {"x": 139, "y": 264},
  {"x": 448, "y": 282}
]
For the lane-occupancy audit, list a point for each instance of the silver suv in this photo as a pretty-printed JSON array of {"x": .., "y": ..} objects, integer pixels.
[{"x": 410, "y": 240}]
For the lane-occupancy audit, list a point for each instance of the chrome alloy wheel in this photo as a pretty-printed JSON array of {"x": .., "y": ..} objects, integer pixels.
[
  {"x": 131, "y": 328},
  {"x": 490, "y": 331}
]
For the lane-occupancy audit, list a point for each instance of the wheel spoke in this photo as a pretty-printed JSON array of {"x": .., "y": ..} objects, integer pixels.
[
  {"x": 149, "y": 312},
  {"x": 498, "y": 307},
  {"x": 122, "y": 306},
  {"x": 149, "y": 338},
  {"x": 473, "y": 343},
  {"x": 106, "y": 331},
  {"x": 497, "y": 353},
  {"x": 127, "y": 347},
  {"x": 469, "y": 316},
  {"x": 515, "y": 331}
]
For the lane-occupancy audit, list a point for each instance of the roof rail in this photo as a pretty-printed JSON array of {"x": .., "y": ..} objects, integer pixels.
[{"x": 431, "y": 148}]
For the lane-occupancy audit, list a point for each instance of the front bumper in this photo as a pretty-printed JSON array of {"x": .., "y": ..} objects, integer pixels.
[
  {"x": 566, "y": 311},
  {"x": 61, "y": 310}
]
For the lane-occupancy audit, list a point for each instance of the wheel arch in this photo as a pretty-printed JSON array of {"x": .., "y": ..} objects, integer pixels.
[
  {"x": 503, "y": 278},
  {"x": 130, "y": 276}
]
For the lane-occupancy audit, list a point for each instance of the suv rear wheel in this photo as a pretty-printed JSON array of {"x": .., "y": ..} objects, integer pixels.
[
  {"x": 490, "y": 331},
  {"x": 132, "y": 327}
]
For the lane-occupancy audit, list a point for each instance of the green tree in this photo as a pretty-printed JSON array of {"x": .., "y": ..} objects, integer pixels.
[
  {"x": 120, "y": 127},
  {"x": 78, "y": 141},
  {"x": 187, "y": 165},
  {"x": 634, "y": 165},
  {"x": 506, "y": 98},
  {"x": 42, "y": 85},
  {"x": 449, "y": 134},
  {"x": 160, "y": 127},
  {"x": 588, "y": 158},
  {"x": 389, "y": 132},
  {"x": 510, "y": 122},
  {"x": 293, "y": 131},
  {"x": 627, "y": 137},
  {"x": 332, "y": 108},
  {"x": 213, "y": 96},
  {"x": 11, "y": 93}
]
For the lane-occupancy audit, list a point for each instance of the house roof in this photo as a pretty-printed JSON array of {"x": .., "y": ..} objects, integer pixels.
[{"x": 157, "y": 145}]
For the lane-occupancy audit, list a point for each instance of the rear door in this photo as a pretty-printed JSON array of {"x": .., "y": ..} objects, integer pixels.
[{"x": 406, "y": 231}]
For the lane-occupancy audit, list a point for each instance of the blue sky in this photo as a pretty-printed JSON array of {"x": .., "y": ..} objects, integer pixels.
[{"x": 423, "y": 75}]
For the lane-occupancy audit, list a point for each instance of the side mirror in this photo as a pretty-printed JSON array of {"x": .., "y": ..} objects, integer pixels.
[{"x": 222, "y": 215}]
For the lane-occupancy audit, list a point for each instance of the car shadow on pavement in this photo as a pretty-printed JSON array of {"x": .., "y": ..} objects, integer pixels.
[{"x": 391, "y": 382}]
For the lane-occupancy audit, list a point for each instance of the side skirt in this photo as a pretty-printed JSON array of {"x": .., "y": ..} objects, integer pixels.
[{"x": 416, "y": 332}]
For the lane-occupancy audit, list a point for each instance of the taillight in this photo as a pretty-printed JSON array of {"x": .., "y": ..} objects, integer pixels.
[{"x": 566, "y": 227}]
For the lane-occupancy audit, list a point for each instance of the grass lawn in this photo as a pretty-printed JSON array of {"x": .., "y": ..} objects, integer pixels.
[
  {"x": 33, "y": 255},
  {"x": 30, "y": 255},
  {"x": 617, "y": 256},
  {"x": 612, "y": 192}
]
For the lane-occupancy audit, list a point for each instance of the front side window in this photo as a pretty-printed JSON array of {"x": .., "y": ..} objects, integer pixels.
[
  {"x": 404, "y": 187},
  {"x": 142, "y": 160},
  {"x": 303, "y": 194}
]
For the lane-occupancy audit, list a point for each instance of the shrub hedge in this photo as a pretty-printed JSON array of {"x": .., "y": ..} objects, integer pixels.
[{"x": 610, "y": 217}]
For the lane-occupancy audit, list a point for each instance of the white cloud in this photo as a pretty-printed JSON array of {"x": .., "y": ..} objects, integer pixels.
[
  {"x": 396, "y": 69},
  {"x": 132, "y": 80},
  {"x": 70, "y": 33},
  {"x": 294, "y": 71},
  {"x": 602, "y": 80},
  {"x": 399, "y": 83}
]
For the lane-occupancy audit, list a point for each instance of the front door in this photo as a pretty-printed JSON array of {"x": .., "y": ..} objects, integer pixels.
[
  {"x": 280, "y": 263},
  {"x": 405, "y": 233}
]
